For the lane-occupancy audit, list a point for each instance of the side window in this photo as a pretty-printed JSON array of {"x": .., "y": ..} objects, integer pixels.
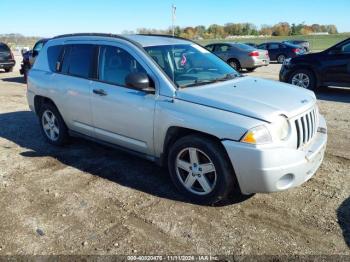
[
  {"x": 273, "y": 46},
  {"x": 223, "y": 48},
  {"x": 38, "y": 46},
  {"x": 346, "y": 48},
  {"x": 53, "y": 56},
  {"x": 283, "y": 46},
  {"x": 78, "y": 60},
  {"x": 115, "y": 64},
  {"x": 210, "y": 48}
]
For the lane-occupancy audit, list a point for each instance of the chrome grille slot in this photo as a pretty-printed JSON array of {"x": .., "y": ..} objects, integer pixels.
[{"x": 306, "y": 127}]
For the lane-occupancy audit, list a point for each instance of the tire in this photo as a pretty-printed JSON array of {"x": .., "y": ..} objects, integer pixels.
[
  {"x": 303, "y": 78},
  {"x": 8, "y": 70},
  {"x": 234, "y": 63},
  {"x": 251, "y": 69},
  {"x": 218, "y": 183},
  {"x": 57, "y": 127},
  {"x": 281, "y": 58}
]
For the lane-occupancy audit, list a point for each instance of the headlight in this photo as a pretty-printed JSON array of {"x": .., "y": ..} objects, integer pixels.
[
  {"x": 257, "y": 136},
  {"x": 280, "y": 128}
]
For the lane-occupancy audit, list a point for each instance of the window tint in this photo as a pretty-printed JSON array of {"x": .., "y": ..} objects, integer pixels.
[
  {"x": 115, "y": 64},
  {"x": 38, "y": 46},
  {"x": 223, "y": 48},
  {"x": 210, "y": 48},
  {"x": 53, "y": 54},
  {"x": 346, "y": 48},
  {"x": 244, "y": 47},
  {"x": 274, "y": 46},
  {"x": 4, "y": 48},
  {"x": 78, "y": 60}
]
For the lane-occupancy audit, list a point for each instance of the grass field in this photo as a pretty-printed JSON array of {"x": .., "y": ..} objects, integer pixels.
[{"x": 318, "y": 42}]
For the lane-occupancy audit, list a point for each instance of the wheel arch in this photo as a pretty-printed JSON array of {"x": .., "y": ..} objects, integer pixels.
[{"x": 175, "y": 133}]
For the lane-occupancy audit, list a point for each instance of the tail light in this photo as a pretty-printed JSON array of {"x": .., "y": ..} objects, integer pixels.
[
  {"x": 254, "y": 53},
  {"x": 296, "y": 50},
  {"x": 267, "y": 54}
]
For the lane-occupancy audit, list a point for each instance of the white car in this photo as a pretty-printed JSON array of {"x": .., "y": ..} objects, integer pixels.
[{"x": 173, "y": 102}]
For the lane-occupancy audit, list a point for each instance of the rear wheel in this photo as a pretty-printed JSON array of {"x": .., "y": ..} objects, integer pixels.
[
  {"x": 200, "y": 169},
  {"x": 303, "y": 78},
  {"x": 234, "y": 63},
  {"x": 281, "y": 58},
  {"x": 52, "y": 125},
  {"x": 10, "y": 69}
]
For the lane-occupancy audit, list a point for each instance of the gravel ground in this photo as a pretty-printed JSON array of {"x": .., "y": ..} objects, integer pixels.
[{"x": 89, "y": 199}]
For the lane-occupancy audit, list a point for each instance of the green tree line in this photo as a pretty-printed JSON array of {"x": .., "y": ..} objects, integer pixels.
[{"x": 243, "y": 29}]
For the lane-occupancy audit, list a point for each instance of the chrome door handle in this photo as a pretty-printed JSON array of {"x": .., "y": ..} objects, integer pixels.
[{"x": 99, "y": 92}]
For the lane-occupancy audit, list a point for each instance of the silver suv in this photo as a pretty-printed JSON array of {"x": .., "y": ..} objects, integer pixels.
[{"x": 175, "y": 103}]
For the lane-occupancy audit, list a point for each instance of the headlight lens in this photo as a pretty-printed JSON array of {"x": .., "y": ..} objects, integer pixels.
[
  {"x": 280, "y": 128},
  {"x": 257, "y": 136}
]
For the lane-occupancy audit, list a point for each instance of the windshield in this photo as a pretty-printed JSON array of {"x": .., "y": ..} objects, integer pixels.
[{"x": 190, "y": 65}]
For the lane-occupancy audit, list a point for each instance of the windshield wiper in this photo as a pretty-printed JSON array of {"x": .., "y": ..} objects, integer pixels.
[{"x": 205, "y": 82}]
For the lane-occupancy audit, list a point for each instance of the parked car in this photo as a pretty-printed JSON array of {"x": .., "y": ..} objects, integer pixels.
[
  {"x": 305, "y": 44},
  {"x": 7, "y": 61},
  {"x": 328, "y": 68},
  {"x": 173, "y": 102},
  {"x": 240, "y": 56},
  {"x": 30, "y": 56},
  {"x": 281, "y": 51}
]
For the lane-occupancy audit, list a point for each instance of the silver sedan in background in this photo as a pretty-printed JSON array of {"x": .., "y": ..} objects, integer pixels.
[{"x": 240, "y": 56}]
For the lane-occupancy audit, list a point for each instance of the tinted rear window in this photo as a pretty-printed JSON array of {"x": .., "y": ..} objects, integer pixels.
[
  {"x": 78, "y": 60},
  {"x": 53, "y": 54},
  {"x": 4, "y": 48}
]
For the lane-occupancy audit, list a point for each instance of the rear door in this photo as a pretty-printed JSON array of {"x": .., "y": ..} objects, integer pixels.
[
  {"x": 122, "y": 115},
  {"x": 336, "y": 65},
  {"x": 274, "y": 50},
  {"x": 223, "y": 50},
  {"x": 72, "y": 83}
]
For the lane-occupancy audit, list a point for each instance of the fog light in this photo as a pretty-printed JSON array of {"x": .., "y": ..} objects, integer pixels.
[{"x": 285, "y": 182}]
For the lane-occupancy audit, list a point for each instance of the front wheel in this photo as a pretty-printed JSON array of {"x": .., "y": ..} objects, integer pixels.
[
  {"x": 200, "y": 169},
  {"x": 303, "y": 78},
  {"x": 52, "y": 125}
]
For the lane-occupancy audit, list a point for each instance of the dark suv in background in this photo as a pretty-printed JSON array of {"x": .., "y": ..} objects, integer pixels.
[
  {"x": 328, "y": 68},
  {"x": 7, "y": 61},
  {"x": 281, "y": 51},
  {"x": 30, "y": 56}
]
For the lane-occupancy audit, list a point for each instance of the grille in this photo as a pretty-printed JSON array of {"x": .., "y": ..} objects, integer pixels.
[{"x": 306, "y": 126}]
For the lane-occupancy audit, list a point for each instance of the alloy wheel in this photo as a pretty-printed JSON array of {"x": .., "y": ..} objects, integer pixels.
[
  {"x": 196, "y": 171},
  {"x": 301, "y": 79},
  {"x": 50, "y": 125}
]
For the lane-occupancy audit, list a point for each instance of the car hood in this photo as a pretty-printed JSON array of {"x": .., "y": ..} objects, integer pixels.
[{"x": 253, "y": 97}]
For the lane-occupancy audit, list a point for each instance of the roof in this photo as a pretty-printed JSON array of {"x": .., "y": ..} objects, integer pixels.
[{"x": 143, "y": 40}]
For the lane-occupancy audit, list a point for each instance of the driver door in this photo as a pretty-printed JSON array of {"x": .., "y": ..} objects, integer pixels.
[
  {"x": 337, "y": 65},
  {"x": 121, "y": 115}
]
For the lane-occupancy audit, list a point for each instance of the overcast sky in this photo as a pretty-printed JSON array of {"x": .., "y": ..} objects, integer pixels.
[{"x": 52, "y": 17}]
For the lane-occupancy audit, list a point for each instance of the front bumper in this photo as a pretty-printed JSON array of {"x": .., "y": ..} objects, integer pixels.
[
  {"x": 284, "y": 74},
  {"x": 7, "y": 64},
  {"x": 264, "y": 170}
]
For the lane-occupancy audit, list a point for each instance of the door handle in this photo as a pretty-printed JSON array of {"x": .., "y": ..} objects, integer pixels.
[{"x": 99, "y": 92}]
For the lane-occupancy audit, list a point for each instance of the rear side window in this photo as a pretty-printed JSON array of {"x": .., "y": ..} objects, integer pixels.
[
  {"x": 53, "y": 56},
  {"x": 274, "y": 46},
  {"x": 4, "y": 48},
  {"x": 78, "y": 60}
]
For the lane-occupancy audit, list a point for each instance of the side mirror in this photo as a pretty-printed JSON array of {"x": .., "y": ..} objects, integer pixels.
[
  {"x": 139, "y": 81},
  {"x": 35, "y": 53}
]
